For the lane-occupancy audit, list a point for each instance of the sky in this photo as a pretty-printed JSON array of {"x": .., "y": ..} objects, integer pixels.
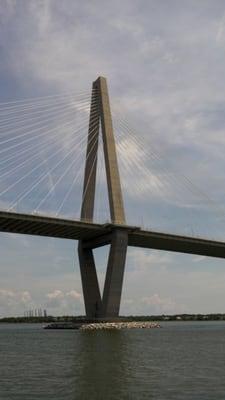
[{"x": 164, "y": 62}]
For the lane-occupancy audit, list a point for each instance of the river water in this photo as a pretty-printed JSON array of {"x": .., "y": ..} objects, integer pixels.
[{"x": 180, "y": 361}]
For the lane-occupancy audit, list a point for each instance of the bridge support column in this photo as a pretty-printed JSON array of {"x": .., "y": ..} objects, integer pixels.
[
  {"x": 114, "y": 275},
  {"x": 91, "y": 292}
]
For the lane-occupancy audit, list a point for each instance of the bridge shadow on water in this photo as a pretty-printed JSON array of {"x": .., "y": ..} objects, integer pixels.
[{"x": 101, "y": 366}]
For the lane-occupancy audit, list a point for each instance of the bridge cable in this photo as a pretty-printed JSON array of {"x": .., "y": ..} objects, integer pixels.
[
  {"x": 75, "y": 178},
  {"x": 33, "y": 137},
  {"x": 48, "y": 97},
  {"x": 43, "y": 176},
  {"x": 190, "y": 183},
  {"x": 6, "y": 123},
  {"x": 54, "y": 135},
  {"x": 59, "y": 179}
]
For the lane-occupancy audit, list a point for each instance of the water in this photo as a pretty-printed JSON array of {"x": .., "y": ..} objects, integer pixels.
[{"x": 180, "y": 361}]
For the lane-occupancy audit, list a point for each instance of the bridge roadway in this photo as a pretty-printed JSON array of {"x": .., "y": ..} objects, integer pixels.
[{"x": 96, "y": 235}]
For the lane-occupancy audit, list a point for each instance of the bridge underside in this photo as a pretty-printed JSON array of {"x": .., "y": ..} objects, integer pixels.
[{"x": 96, "y": 235}]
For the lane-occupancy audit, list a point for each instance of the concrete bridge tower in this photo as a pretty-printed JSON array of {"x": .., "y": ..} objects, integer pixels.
[{"x": 107, "y": 306}]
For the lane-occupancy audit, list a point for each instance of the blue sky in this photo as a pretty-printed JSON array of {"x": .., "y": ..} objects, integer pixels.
[{"x": 165, "y": 63}]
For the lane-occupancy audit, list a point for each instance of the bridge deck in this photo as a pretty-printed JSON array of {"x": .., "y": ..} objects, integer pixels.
[
  {"x": 180, "y": 244},
  {"x": 45, "y": 226},
  {"x": 76, "y": 230}
]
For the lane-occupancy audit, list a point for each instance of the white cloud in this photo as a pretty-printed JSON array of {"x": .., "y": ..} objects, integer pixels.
[
  {"x": 137, "y": 178},
  {"x": 157, "y": 305},
  {"x": 57, "y": 302},
  {"x": 13, "y": 303},
  {"x": 64, "y": 302},
  {"x": 146, "y": 260},
  {"x": 74, "y": 295},
  {"x": 199, "y": 258},
  {"x": 220, "y": 35},
  {"x": 57, "y": 294}
]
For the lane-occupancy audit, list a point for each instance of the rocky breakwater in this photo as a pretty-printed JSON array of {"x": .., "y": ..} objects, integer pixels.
[{"x": 119, "y": 325}]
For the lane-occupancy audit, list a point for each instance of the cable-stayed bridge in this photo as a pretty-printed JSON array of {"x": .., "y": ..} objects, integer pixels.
[{"x": 47, "y": 145}]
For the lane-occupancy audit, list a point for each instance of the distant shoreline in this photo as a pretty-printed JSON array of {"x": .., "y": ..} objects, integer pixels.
[{"x": 136, "y": 318}]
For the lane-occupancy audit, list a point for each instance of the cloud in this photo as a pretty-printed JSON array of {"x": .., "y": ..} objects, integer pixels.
[
  {"x": 57, "y": 302},
  {"x": 146, "y": 260},
  {"x": 152, "y": 305},
  {"x": 73, "y": 294},
  {"x": 157, "y": 305},
  {"x": 56, "y": 295},
  {"x": 138, "y": 179},
  {"x": 220, "y": 35},
  {"x": 199, "y": 258},
  {"x": 14, "y": 303},
  {"x": 64, "y": 302}
]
